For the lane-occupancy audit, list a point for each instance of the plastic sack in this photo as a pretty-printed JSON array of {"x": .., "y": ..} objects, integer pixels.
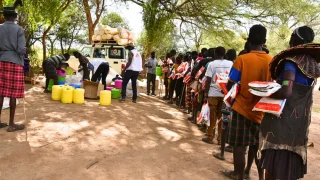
[
  {"x": 204, "y": 116},
  {"x": 112, "y": 31},
  {"x": 101, "y": 32},
  {"x": 123, "y": 33},
  {"x": 94, "y": 37},
  {"x": 96, "y": 32},
  {"x": 269, "y": 105},
  {"x": 123, "y": 42},
  {"x": 231, "y": 95},
  {"x": 131, "y": 37},
  {"x": 107, "y": 37},
  {"x": 101, "y": 27},
  {"x": 98, "y": 38},
  {"x": 116, "y": 37}
]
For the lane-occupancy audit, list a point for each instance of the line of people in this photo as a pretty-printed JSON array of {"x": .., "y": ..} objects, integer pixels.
[{"x": 280, "y": 141}]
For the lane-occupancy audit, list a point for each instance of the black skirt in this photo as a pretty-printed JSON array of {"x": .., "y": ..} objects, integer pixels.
[{"x": 283, "y": 164}]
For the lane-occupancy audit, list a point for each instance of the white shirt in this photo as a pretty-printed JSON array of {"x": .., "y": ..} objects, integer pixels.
[
  {"x": 96, "y": 63},
  {"x": 217, "y": 67},
  {"x": 136, "y": 64}
]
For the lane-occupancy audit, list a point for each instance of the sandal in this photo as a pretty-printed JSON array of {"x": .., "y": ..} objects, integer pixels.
[
  {"x": 15, "y": 127},
  {"x": 3, "y": 125},
  {"x": 207, "y": 140},
  {"x": 230, "y": 174},
  {"x": 218, "y": 156}
]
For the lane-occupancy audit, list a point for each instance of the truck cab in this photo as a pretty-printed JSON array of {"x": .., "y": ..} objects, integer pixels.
[{"x": 110, "y": 51}]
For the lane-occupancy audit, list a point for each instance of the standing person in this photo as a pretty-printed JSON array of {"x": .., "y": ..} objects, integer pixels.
[
  {"x": 174, "y": 86},
  {"x": 213, "y": 93},
  {"x": 245, "y": 123},
  {"x": 12, "y": 50},
  {"x": 203, "y": 54},
  {"x": 284, "y": 154},
  {"x": 165, "y": 70},
  {"x": 131, "y": 72},
  {"x": 187, "y": 79},
  {"x": 151, "y": 64},
  {"x": 182, "y": 70},
  {"x": 50, "y": 67},
  {"x": 231, "y": 55},
  {"x": 246, "y": 49},
  {"x": 83, "y": 63}
]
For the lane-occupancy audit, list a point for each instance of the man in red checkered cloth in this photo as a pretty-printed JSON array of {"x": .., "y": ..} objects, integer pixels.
[{"x": 12, "y": 50}]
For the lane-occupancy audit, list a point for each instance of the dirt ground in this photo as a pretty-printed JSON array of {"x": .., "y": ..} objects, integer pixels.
[{"x": 148, "y": 140}]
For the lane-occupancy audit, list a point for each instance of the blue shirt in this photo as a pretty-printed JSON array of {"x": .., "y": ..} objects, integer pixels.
[{"x": 300, "y": 77}]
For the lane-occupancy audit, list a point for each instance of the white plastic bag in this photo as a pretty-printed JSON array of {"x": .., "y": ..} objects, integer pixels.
[
  {"x": 6, "y": 103},
  {"x": 269, "y": 105},
  {"x": 231, "y": 95},
  {"x": 204, "y": 116}
]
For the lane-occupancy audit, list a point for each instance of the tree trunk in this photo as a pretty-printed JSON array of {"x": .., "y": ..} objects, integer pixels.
[
  {"x": 44, "y": 44},
  {"x": 89, "y": 19},
  {"x": 61, "y": 45},
  {"x": 100, "y": 7},
  {"x": 1, "y": 16}
]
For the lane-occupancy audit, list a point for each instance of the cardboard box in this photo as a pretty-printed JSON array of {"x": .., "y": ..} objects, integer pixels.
[{"x": 90, "y": 89}]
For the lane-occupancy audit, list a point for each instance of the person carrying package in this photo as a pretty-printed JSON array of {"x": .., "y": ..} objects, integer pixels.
[
  {"x": 131, "y": 72},
  {"x": 83, "y": 63},
  {"x": 284, "y": 139},
  {"x": 50, "y": 67},
  {"x": 213, "y": 93},
  {"x": 151, "y": 64},
  {"x": 12, "y": 50},
  {"x": 244, "y": 124}
]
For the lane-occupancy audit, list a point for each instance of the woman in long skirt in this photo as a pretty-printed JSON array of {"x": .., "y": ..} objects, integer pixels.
[
  {"x": 12, "y": 50},
  {"x": 284, "y": 139}
]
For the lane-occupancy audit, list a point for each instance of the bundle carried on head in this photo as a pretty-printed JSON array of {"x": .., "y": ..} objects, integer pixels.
[{"x": 120, "y": 35}]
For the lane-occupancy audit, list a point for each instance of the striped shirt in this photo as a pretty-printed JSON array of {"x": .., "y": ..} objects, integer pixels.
[{"x": 57, "y": 60}]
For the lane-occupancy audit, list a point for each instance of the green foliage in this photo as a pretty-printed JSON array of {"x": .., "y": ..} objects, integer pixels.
[
  {"x": 115, "y": 20},
  {"x": 226, "y": 38}
]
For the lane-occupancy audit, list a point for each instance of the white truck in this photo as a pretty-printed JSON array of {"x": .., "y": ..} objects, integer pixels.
[{"x": 110, "y": 51}]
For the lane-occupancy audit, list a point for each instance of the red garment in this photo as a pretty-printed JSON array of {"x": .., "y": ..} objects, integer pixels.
[
  {"x": 11, "y": 80},
  {"x": 199, "y": 58}
]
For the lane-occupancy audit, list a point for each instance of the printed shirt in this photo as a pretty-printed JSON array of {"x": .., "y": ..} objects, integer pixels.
[
  {"x": 217, "y": 67},
  {"x": 253, "y": 66},
  {"x": 153, "y": 63}
]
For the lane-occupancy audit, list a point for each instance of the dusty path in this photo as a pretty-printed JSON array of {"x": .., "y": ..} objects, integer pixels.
[{"x": 131, "y": 141}]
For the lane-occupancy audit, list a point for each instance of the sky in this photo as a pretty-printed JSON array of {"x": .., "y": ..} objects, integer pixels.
[{"x": 132, "y": 13}]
